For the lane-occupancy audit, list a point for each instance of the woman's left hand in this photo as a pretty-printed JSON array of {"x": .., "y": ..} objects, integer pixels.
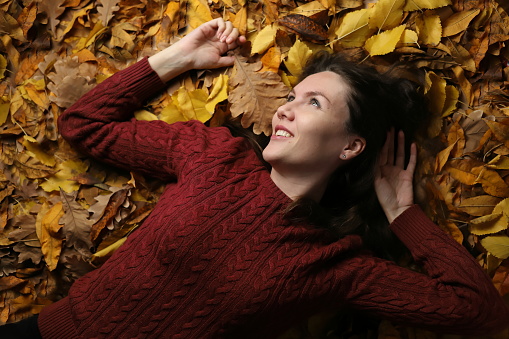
[{"x": 394, "y": 183}]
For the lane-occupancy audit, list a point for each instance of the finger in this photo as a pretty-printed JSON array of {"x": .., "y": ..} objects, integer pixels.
[
  {"x": 390, "y": 147},
  {"x": 400, "y": 156},
  {"x": 227, "y": 31},
  {"x": 225, "y": 61},
  {"x": 221, "y": 26},
  {"x": 382, "y": 160},
  {"x": 413, "y": 159}
]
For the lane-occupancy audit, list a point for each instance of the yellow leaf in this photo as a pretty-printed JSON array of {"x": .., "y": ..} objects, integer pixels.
[
  {"x": 386, "y": 14},
  {"x": 192, "y": 104},
  {"x": 51, "y": 240},
  {"x": 498, "y": 245},
  {"x": 218, "y": 93},
  {"x": 501, "y": 131},
  {"x": 491, "y": 181},
  {"x": 479, "y": 205},
  {"x": 264, "y": 39},
  {"x": 3, "y": 66},
  {"x": 289, "y": 80},
  {"x": 384, "y": 42},
  {"x": 442, "y": 157},
  {"x": 241, "y": 20},
  {"x": 458, "y": 22},
  {"x": 429, "y": 29},
  {"x": 311, "y": 8},
  {"x": 414, "y": 5},
  {"x": 408, "y": 38},
  {"x": 353, "y": 30},
  {"x": 35, "y": 150},
  {"x": 461, "y": 171},
  {"x": 63, "y": 179},
  {"x": 451, "y": 100},
  {"x": 435, "y": 92},
  {"x": 198, "y": 12},
  {"x": 488, "y": 224},
  {"x": 35, "y": 91},
  {"x": 4, "y": 112},
  {"x": 110, "y": 249},
  {"x": 500, "y": 162},
  {"x": 145, "y": 115},
  {"x": 298, "y": 55},
  {"x": 271, "y": 60},
  {"x": 171, "y": 114}
]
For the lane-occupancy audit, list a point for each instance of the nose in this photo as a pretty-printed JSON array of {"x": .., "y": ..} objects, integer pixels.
[{"x": 285, "y": 112}]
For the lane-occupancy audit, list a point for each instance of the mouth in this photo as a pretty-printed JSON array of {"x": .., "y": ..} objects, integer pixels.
[{"x": 280, "y": 131}]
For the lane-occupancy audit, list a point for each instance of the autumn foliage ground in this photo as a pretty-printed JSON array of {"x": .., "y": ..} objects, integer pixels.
[{"x": 62, "y": 214}]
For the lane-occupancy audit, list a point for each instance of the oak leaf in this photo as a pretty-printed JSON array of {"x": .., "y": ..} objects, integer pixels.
[
  {"x": 106, "y": 10},
  {"x": 76, "y": 229},
  {"x": 256, "y": 96},
  {"x": 53, "y": 10}
]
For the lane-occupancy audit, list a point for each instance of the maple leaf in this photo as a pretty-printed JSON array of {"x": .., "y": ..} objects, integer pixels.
[{"x": 256, "y": 96}]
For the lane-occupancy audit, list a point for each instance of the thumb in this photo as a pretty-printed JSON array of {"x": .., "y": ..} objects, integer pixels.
[{"x": 225, "y": 61}]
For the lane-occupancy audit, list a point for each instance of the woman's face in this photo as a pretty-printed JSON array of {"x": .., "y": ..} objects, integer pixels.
[{"x": 309, "y": 131}]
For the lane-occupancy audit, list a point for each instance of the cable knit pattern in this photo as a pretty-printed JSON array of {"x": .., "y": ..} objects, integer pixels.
[{"x": 216, "y": 259}]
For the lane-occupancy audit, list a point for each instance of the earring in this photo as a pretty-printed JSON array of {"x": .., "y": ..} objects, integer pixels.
[{"x": 344, "y": 156}]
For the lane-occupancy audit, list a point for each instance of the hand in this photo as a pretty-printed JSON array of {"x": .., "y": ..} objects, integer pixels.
[
  {"x": 203, "y": 48},
  {"x": 393, "y": 183}
]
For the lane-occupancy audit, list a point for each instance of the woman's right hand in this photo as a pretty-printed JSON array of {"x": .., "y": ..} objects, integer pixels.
[{"x": 203, "y": 48}]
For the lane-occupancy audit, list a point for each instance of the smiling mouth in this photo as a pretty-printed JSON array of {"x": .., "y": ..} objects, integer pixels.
[{"x": 283, "y": 133}]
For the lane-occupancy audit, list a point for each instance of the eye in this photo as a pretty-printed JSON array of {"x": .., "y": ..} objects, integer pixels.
[
  {"x": 315, "y": 102},
  {"x": 290, "y": 98}
]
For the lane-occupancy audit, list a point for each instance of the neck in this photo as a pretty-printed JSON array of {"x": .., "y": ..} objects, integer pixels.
[{"x": 297, "y": 185}]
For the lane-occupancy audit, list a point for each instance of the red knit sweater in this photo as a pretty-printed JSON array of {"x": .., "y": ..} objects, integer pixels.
[{"x": 216, "y": 258}]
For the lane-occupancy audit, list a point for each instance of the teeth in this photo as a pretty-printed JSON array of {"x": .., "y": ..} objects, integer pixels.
[{"x": 282, "y": 133}]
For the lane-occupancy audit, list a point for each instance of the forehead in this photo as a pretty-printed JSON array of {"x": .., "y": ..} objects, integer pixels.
[{"x": 329, "y": 83}]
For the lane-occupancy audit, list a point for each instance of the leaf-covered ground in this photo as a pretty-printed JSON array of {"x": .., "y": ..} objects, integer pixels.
[{"x": 62, "y": 214}]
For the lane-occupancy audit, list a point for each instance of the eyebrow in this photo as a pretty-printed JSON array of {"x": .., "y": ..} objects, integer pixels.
[{"x": 314, "y": 93}]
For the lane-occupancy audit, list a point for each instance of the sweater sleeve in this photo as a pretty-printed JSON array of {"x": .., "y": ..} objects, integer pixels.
[
  {"x": 101, "y": 125},
  {"x": 454, "y": 296}
]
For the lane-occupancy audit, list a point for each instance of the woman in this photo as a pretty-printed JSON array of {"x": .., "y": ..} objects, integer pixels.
[{"x": 217, "y": 258}]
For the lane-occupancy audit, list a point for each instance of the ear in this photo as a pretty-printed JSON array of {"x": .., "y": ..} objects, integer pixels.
[{"x": 355, "y": 146}]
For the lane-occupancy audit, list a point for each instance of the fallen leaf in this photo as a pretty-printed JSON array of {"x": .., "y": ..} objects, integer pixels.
[
  {"x": 384, "y": 42},
  {"x": 458, "y": 22},
  {"x": 106, "y": 10},
  {"x": 386, "y": 14},
  {"x": 256, "y": 96},
  {"x": 498, "y": 245}
]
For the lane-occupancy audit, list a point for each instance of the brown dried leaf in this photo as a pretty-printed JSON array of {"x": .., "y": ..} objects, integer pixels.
[
  {"x": 305, "y": 27},
  {"x": 256, "y": 96}
]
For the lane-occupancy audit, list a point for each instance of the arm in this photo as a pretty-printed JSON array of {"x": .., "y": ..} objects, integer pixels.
[
  {"x": 100, "y": 124},
  {"x": 453, "y": 296}
]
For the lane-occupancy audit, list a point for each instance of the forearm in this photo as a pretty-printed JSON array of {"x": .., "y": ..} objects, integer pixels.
[{"x": 169, "y": 63}]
